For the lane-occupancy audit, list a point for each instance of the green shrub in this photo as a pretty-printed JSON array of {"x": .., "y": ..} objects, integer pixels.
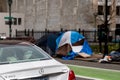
[{"x": 111, "y": 47}]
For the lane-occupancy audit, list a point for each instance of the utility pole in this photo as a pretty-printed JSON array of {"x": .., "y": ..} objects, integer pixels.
[
  {"x": 10, "y": 18},
  {"x": 106, "y": 29}
]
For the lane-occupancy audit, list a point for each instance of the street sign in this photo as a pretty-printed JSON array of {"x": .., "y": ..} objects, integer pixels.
[{"x": 8, "y": 17}]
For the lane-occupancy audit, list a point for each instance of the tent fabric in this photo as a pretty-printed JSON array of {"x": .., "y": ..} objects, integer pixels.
[
  {"x": 70, "y": 43},
  {"x": 64, "y": 50},
  {"x": 67, "y": 37},
  {"x": 62, "y": 40},
  {"x": 86, "y": 48},
  {"x": 48, "y": 42},
  {"x": 51, "y": 41}
]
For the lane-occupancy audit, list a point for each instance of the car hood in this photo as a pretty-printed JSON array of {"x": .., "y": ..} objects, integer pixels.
[{"x": 31, "y": 69}]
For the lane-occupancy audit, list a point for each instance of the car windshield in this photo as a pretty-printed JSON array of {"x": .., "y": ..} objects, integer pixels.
[{"x": 21, "y": 53}]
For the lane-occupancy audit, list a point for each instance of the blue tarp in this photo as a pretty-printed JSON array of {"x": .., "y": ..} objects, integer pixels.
[
  {"x": 86, "y": 48},
  {"x": 72, "y": 37},
  {"x": 48, "y": 41}
]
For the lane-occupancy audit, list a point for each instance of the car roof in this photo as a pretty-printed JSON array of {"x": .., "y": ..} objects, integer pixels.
[{"x": 14, "y": 42}]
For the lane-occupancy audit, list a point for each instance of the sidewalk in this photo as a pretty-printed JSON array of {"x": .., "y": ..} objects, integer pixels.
[{"x": 94, "y": 58}]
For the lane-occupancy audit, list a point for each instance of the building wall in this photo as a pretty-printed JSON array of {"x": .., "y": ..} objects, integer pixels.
[
  {"x": 113, "y": 19},
  {"x": 4, "y": 27},
  {"x": 56, "y": 14},
  {"x": 3, "y": 5},
  {"x": 18, "y": 21}
]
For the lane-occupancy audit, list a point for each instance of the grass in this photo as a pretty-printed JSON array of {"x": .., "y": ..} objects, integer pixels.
[
  {"x": 111, "y": 47},
  {"x": 96, "y": 73}
]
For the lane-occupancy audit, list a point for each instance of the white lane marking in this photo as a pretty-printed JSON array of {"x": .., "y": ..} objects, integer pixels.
[
  {"x": 88, "y": 77},
  {"x": 95, "y": 68}
]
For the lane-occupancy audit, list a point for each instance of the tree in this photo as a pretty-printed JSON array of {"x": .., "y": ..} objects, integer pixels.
[
  {"x": 111, "y": 10},
  {"x": 105, "y": 11}
]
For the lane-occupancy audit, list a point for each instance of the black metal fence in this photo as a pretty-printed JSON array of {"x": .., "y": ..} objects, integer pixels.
[{"x": 91, "y": 36}]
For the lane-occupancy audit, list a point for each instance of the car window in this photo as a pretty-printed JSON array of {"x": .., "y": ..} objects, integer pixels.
[
  {"x": 0, "y": 52},
  {"x": 8, "y": 54},
  {"x": 21, "y": 53}
]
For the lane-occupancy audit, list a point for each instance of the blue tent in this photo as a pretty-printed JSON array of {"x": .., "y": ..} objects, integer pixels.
[{"x": 71, "y": 43}]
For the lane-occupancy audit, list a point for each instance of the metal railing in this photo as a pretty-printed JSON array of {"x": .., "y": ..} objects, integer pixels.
[{"x": 91, "y": 36}]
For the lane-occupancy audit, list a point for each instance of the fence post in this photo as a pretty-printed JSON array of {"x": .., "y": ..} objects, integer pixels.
[
  {"x": 16, "y": 32},
  {"x": 95, "y": 35},
  {"x": 28, "y": 32},
  {"x": 79, "y": 30},
  {"x": 119, "y": 42},
  {"x": 83, "y": 32},
  {"x": 99, "y": 38},
  {"x": 61, "y": 30},
  {"x": 32, "y": 32},
  {"x": 115, "y": 37},
  {"x": 45, "y": 31},
  {"x": 25, "y": 33}
]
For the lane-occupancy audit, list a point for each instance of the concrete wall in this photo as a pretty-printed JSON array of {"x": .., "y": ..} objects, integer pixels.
[
  {"x": 3, "y": 5},
  {"x": 4, "y": 28},
  {"x": 56, "y": 14}
]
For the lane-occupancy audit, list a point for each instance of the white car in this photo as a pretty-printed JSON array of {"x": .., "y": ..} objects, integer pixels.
[{"x": 25, "y": 61}]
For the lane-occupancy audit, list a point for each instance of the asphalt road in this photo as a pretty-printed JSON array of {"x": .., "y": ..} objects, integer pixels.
[{"x": 90, "y": 63}]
